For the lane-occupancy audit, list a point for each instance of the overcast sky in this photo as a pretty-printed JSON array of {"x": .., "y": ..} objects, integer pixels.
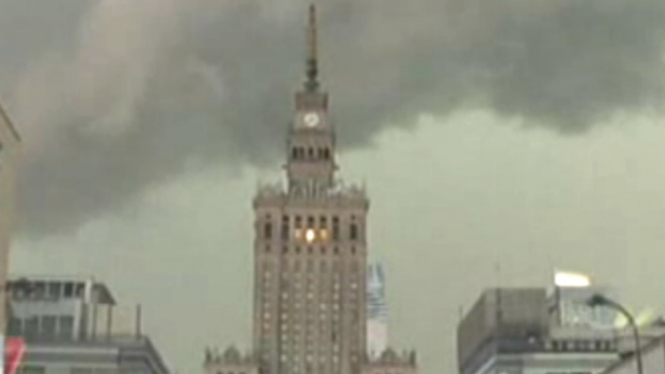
[{"x": 526, "y": 133}]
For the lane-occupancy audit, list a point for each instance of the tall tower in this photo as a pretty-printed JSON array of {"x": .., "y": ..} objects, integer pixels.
[
  {"x": 310, "y": 249},
  {"x": 377, "y": 312}
]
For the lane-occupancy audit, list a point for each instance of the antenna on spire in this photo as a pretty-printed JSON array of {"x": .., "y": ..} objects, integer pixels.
[{"x": 312, "y": 61}]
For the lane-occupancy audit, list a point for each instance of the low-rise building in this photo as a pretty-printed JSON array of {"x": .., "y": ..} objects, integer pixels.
[
  {"x": 653, "y": 360},
  {"x": 512, "y": 330},
  {"x": 74, "y": 326}
]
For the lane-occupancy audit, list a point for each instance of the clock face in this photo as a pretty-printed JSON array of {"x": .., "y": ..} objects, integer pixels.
[{"x": 311, "y": 119}]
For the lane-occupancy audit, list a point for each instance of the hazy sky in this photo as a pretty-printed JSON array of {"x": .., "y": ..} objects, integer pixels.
[{"x": 527, "y": 133}]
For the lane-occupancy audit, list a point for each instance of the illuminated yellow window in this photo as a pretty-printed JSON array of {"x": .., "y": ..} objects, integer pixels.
[{"x": 310, "y": 235}]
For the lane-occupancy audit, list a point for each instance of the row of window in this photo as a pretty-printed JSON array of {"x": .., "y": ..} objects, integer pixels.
[
  {"x": 310, "y": 250},
  {"x": 34, "y": 369},
  {"x": 297, "y": 266},
  {"x": 47, "y": 327},
  {"x": 310, "y": 153},
  {"x": 286, "y": 233},
  {"x": 50, "y": 289},
  {"x": 580, "y": 345}
]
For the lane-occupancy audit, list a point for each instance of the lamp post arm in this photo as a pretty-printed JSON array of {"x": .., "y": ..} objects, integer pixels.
[{"x": 636, "y": 332}]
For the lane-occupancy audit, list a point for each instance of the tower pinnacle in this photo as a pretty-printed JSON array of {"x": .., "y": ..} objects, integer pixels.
[{"x": 312, "y": 61}]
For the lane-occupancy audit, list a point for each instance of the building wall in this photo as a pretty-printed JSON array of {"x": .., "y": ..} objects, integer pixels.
[
  {"x": 653, "y": 361},
  {"x": 9, "y": 153},
  {"x": 125, "y": 356},
  {"x": 551, "y": 363},
  {"x": 500, "y": 313},
  {"x": 310, "y": 298}
]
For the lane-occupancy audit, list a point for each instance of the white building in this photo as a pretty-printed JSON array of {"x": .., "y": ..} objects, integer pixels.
[{"x": 74, "y": 326}]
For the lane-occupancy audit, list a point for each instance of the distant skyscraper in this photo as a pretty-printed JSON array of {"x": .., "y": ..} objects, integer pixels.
[
  {"x": 310, "y": 249},
  {"x": 9, "y": 147},
  {"x": 377, "y": 311}
]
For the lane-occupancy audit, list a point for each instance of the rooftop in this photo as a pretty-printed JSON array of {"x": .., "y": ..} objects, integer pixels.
[{"x": 40, "y": 287}]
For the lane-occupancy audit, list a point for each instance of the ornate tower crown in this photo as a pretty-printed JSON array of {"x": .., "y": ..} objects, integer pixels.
[{"x": 311, "y": 141}]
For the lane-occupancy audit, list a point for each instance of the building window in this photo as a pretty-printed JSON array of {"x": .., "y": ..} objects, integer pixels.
[
  {"x": 326, "y": 153},
  {"x": 79, "y": 289},
  {"x": 31, "y": 327},
  {"x": 310, "y": 153},
  {"x": 323, "y": 222},
  {"x": 48, "y": 326},
  {"x": 285, "y": 227},
  {"x": 69, "y": 289},
  {"x": 66, "y": 327},
  {"x": 353, "y": 231},
  {"x": 267, "y": 230},
  {"x": 39, "y": 290},
  {"x": 30, "y": 369},
  {"x": 335, "y": 228},
  {"x": 297, "y": 153},
  {"x": 15, "y": 327},
  {"x": 54, "y": 290}
]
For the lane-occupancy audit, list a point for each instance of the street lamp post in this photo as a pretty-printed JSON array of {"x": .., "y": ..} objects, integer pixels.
[{"x": 600, "y": 300}]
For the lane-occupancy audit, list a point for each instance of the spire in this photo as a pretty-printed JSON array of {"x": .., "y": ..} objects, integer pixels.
[{"x": 312, "y": 62}]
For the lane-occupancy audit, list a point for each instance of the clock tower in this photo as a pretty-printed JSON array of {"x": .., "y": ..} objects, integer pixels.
[
  {"x": 311, "y": 140},
  {"x": 310, "y": 257},
  {"x": 310, "y": 250}
]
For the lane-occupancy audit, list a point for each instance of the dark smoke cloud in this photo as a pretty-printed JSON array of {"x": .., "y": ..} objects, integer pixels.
[{"x": 127, "y": 94}]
